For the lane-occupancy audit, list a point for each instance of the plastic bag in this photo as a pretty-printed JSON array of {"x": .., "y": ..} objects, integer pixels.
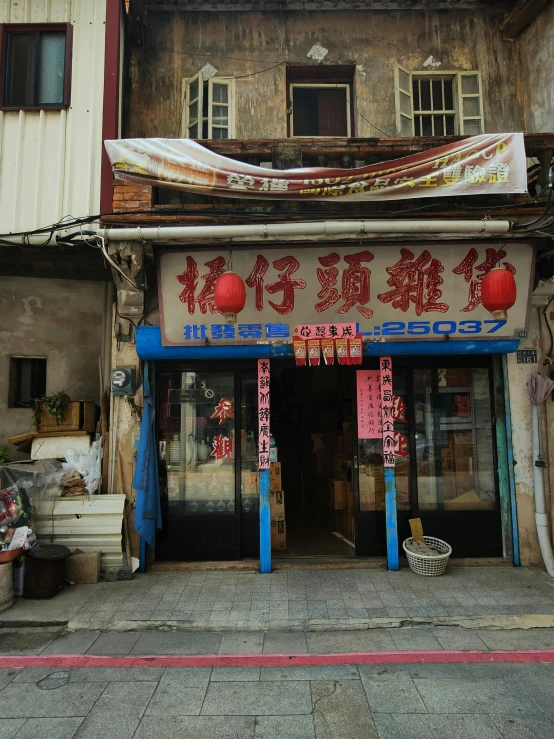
[{"x": 87, "y": 465}]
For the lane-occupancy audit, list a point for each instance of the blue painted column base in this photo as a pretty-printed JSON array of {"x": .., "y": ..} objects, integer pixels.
[
  {"x": 265, "y": 523},
  {"x": 393, "y": 562}
]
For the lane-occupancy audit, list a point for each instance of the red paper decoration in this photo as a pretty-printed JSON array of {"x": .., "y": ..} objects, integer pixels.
[
  {"x": 230, "y": 295},
  {"x": 314, "y": 352},
  {"x": 328, "y": 351},
  {"x": 299, "y": 348},
  {"x": 355, "y": 350},
  {"x": 498, "y": 292},
  {"x": 342, "y": 351}
]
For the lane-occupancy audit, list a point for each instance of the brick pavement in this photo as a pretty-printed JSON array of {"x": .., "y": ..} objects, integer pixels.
[
  {"x": 224, "y": 598},
  {"x": 354, "y": 701}
]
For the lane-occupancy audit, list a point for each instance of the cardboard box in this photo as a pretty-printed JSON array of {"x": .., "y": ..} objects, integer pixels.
[
  {"x": 367, "y": 501},
  {"x": 80, "y": 415},
  {"x": 463, "y": 464},
  {"x": 83, "y": 568},
  {"x": 275, "y": 481},
  {"x": 277, "y": 505},
  {"x": 467, "y": 501},
  {"x": 337, "y": 494},
  {"x": 278, "y": 536},
  {"x": 456, "y": 377},
  {"x": 342, "y": 464}
]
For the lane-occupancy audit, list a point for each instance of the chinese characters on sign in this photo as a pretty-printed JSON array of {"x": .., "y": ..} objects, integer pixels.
[
  {"x": 391, "y": 293},
  {"x": 369, "y": 404},
  {"x": 222, "y": 447},
  {"x": 484, "y": 164},
  {"x": 263, "y": 414},
  {"x": 389, "y": 442},
  {"x": 223, "y": 410}
]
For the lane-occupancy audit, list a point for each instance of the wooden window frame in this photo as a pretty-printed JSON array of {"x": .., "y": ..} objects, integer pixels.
[
  {"x": 458, "y": 97},
  {"x": 14, "y": 384},
  {"x": 349, "y": 117},
  {"x": 231, "y": 106},
  {"x": 8, "y": 28}
]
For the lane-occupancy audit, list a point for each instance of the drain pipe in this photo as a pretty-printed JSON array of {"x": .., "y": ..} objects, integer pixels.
[
  {"x": 265, "y": 231},
  {"x": 541, "y": 517}
]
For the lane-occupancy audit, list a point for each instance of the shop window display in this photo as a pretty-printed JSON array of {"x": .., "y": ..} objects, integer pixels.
[{"x": 197, "y": 420}]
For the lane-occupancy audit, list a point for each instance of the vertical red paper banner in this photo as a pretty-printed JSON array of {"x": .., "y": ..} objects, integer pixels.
[
  {"x": 355, "y": 350},
  {"x": 369, "y": 404},
  {"x": 328, "y": 351},
  {"x": 389, "y": 441},
  {"x": 300, "y": 353},
  {"x": 263, "y": 414},
  {"x": 314, "y": 352}
]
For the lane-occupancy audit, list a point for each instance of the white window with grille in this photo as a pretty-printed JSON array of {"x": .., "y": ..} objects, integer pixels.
[
  {"x": 208, "y": 108},
  {"x": 438, "y": 104}
]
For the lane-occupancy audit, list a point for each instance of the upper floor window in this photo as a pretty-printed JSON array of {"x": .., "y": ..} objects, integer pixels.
[
  {"x": 209, "y": 108},
  {"x": 27, "y": 381},
  {"x": 35, "y": 66},
  {"x": 438, "y": 104},
  {"x": 320, "y": 100}
]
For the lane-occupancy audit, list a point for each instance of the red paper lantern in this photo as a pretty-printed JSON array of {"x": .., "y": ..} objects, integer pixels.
[
  {"x": 230, "y": 295},
  {"x": 498, "y": 292}
]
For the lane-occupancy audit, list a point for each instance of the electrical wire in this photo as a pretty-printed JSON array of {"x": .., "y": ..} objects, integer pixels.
[
  {"x": 549, "y": 354},
  {"x": 525, "y": 226}
]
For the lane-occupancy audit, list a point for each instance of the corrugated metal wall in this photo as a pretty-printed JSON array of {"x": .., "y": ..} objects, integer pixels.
[{"x": 50, "y": 160}]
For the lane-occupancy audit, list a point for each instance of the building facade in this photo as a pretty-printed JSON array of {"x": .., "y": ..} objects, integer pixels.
[
  {"x": 55, "y": 110},
  {"x": 287, "y": 86}
]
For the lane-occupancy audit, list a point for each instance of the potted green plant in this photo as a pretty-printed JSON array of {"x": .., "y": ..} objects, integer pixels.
[{"x": 54, "y": 404}]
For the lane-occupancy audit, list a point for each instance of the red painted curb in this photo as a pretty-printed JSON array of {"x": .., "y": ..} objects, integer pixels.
[{"x": 278, "y": 660}]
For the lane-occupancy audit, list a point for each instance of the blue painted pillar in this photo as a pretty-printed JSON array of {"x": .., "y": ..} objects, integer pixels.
[
  {"x": 393, "y": 562},
  {"x": 265, "y": 523}
]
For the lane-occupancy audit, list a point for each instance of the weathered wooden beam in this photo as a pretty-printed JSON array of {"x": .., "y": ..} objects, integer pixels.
[
  {"x": 360, "y": 149},
  {"x": 523, "y": 13},
  {"x": 306, "y": 5}
]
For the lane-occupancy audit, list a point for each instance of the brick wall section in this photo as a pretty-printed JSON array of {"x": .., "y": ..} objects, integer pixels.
[{"x": 129, "y": 197}]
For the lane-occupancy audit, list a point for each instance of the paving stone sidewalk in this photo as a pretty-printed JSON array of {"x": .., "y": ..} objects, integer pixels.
[
  {"x": 432, "y": 701},
  {"x": 224, "y": 598}
]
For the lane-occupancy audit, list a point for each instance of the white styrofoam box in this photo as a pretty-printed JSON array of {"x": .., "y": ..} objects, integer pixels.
[
  {"x": 53, "y": 447},
  {"x": 89, "y": 524}
]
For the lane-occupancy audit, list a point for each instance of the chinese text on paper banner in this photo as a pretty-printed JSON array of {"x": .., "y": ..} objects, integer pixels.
[
  {"x": 369, "y": 404},
  {"x": 387, "y": 412},
  {"x": 263, "y": 414}
]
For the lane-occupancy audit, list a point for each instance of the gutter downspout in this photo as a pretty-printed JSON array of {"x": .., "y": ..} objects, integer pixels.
[{"x": 541, "y": 517}]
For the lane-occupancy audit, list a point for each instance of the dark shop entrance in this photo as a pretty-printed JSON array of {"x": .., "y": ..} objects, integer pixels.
[{"x": 330, "y": 501}]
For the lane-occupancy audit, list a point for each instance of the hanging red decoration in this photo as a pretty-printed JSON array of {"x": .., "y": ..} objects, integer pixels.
[
  {"x": 498, "y": 292},
  {"x": 230, "y": 295}
]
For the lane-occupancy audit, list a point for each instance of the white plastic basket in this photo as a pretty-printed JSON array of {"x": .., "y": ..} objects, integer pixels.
[{"x": 422, "y": 564}]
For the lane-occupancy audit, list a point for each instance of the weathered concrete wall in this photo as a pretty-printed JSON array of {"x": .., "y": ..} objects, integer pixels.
[
  {"x": 178, "y": 45},
  {"x": 536, "y": 50},
  {"x": 518, "y": 375},
  {"x": 57, "y": 319}
]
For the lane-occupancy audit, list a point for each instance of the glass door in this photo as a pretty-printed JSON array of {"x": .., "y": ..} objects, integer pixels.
[
  {"x": 457, "y": 492},
  {"x": 197, "y": 430}
]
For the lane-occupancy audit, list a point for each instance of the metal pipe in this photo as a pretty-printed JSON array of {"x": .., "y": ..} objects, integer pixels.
[
  {"x": 541, "y": 517},
  {"x": 265, "y": 231}
]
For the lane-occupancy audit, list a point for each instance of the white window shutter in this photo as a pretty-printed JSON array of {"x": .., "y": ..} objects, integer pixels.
[
  {"x": 404, "y": 101},
  {"x": 221, "y": 108},
  {"x": 194, "y": 98},
  {"x": 470, "y": 103}
]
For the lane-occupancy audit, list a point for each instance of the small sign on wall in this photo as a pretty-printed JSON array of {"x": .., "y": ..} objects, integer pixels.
[{"x": 526, "y": 356}]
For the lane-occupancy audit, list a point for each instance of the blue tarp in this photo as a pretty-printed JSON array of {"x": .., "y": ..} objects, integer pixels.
[{"x": 148, "y": 514}]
